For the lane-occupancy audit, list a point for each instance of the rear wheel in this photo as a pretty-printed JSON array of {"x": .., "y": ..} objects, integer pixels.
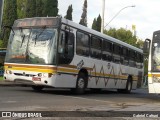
[
  {"x": 128, "y": 86},
  {"x": 37, "y": 88},
  {"x": 81, "y": 84}
]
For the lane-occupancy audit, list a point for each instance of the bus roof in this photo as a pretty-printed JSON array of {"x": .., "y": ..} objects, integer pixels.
[
  {"x": 91, "y": 31},
  {"x": 36, "y": 21}
]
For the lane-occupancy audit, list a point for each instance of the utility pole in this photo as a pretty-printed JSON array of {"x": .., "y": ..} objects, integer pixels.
[{"x": 102, "y": 22}]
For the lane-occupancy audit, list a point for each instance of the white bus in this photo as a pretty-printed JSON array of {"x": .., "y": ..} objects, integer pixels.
[
  {"x": 153, "y": 62},
  {"x": 56, "y": 52}
]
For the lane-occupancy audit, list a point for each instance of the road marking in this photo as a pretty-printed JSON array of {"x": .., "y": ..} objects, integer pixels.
[
  {"x": 88, "y": 99},
  {"x": 10, "y": 101}
]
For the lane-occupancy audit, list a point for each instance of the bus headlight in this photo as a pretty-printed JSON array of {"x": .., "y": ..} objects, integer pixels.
[
  {"x": 8, "y": 72},
  {"x": 39, "y": 74},
  {"x": 45, "y": 74}
]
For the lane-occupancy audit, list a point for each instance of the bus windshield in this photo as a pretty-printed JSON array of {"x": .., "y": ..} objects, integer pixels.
[
  {"x": 32, "y": 45},
  {"x": 156, "y": 56}
]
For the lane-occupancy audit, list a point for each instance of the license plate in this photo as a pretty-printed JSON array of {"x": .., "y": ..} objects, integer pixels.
[{"x": 36, "y": 79}]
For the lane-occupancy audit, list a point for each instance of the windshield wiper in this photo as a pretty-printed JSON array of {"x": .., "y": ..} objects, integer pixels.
[
  {"x": 22, "y": 36},
  {"x": 37, "y": 36}
]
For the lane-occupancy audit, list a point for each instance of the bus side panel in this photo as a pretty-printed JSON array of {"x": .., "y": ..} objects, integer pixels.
[
  {"x": 65, "y": 80},
  {"x": 103, "y": 74}
]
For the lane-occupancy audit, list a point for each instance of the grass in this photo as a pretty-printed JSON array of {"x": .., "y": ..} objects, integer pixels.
[{"x": 1, "y": 78}]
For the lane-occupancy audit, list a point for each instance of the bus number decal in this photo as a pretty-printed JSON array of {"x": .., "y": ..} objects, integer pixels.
[
  {"x": 80, "y": 64},
  {"x": 109, "y": 65}
]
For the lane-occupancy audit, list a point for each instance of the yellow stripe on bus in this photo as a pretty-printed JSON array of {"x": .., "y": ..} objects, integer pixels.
[
  {"x": 153, "y": 75},
  {"x": 67, "y": 70},
  {"x": 30, "y": 68}
]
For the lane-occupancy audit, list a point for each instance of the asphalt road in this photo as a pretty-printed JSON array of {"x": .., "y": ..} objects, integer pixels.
[{"x": 25, "y": 99}]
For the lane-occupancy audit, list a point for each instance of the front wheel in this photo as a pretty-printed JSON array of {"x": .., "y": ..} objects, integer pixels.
[{"x": 81, "y": 84}]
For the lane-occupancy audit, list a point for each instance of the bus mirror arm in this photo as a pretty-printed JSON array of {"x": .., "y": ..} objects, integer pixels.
[
  {"x": 148, "y": 40},
  {"x": 146, "y": 45}
]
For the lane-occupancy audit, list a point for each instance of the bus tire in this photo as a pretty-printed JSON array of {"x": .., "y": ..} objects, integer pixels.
[
  {"x": 37, "y": 88},
  {"x": 128, "y": 86},
  {"x": 81, "y": 84}
]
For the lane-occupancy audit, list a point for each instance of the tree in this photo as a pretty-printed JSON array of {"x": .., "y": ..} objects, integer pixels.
[
  {"x": 39, "y": 8},
  {"x": 1, "y": 43},
  {"x": 83, "y": 20},
  {"x": 98, "y": 24},
  {"x": 9, "y": 16},
  {"x": 140, "y": 43},
  {"x": 30, "y": 8},
  {"x": 50, "y": 8},
  {"x": 125, "y": 36},
  {"x": 69, "y": 13},
  {"x": 94, "y": 24},
  {"x": 21, "y": 9},
  {"x": 111, "y": 32}
]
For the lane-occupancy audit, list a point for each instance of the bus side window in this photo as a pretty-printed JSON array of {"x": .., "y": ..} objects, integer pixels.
[
  {"x": 141, "y": 60},
  {"x": 132, "y": 58},
  {"x": 124, "y": 56},
  {"x": 107, "y": 50},
  {"x": 70, "y": 45},
  {"x": 96, "y": 46},
  {"x": 138, "y": 64},
  {"x": 61, "y": 43},
  {"x": 116, "y": 53},
  {"x": 82, "y": 44},
  {"x": 66, "y": 47}
]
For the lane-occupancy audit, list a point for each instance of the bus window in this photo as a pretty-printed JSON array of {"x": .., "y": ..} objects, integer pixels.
[
  {"x": 141, "y": 60},
  {"x": 124, "y": 56},
  {"x": 96, "y": 44},
  {"x": 132, "y": 61},
  {"x": 116, "y": 53},
  {"x": 138, "y": 60},
  {"x": 82, "y": 45},
  {"x": 66, "y": 47},
  {"x": 107, "y": 51}
]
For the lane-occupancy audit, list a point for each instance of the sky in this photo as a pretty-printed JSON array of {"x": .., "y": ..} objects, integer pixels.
[{"x": 145, "y": 15}]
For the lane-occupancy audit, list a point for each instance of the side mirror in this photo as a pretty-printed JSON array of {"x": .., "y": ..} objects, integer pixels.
[
  {"x": 60, "y": 50},
  {"x": 146, "y": 46}
]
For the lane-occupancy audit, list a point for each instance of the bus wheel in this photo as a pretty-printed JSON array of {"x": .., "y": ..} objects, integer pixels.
[
  {"x": 81, "y": 84},
  {"x": 37, "y": 88},
  {"x": 128, "y": 86}
]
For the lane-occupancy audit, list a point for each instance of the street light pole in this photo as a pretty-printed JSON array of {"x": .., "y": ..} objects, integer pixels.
[
  {"x": 118, "y": 14},
  {"x": 102, "y": 22}
]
